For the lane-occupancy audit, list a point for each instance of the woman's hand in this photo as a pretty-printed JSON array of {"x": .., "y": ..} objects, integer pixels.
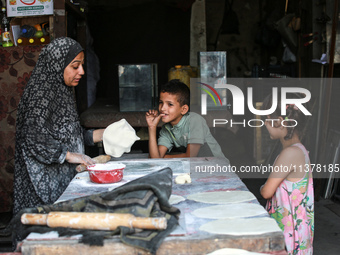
[{"x": 78, "y": 158}]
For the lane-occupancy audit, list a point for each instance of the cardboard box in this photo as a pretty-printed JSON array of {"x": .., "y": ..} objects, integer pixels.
[{"x": 16, "y": 8}]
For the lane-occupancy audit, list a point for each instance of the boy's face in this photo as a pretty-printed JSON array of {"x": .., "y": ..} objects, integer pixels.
[{"x": 171, "y": 108}]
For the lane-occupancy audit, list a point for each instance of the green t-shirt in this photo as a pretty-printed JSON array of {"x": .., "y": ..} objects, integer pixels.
[{"x": 192, "y": 128}]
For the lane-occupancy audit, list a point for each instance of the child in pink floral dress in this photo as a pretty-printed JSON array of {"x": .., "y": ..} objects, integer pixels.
[{"x": 289, "y": 188}]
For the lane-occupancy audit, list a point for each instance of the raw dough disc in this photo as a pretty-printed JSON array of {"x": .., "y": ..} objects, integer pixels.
[
  {"x": 174, "y": 199},
  {"x": 222, "y": 197},
  {"x": 225, "y": 211},
  {"x": 237, "y": 227},
  {"x": 118, "y": 138},
  {"x": 233, "y": 251}
]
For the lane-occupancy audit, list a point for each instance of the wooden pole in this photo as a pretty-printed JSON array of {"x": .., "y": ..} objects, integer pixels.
[{"x": 97, "y": 221}]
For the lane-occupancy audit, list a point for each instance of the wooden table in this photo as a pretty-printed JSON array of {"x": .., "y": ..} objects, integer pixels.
[{"x": 187, "y": 238}]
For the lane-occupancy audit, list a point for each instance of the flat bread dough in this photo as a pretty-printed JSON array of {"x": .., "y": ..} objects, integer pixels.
[
  {"x": 118, "y": 138},
  {"x": 241, "y": 226},
  {"x": 230, "y": 211},
  {"x": 233, "y": 251},
  {"x": 222, "y": 197},
  {"x": 174, "y": 199}
]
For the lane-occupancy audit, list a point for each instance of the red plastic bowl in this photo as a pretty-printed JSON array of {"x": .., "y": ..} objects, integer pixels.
[{"x": 106, "y": 173}]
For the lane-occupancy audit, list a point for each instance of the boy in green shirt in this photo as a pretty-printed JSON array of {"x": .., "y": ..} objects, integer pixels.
[{"x": 187, "y": 131}]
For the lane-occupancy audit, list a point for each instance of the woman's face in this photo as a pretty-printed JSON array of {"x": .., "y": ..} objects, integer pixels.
[{"x": 74, "y": 71}]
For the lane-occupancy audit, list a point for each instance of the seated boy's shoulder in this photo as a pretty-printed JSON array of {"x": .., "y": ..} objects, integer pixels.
[
  {"x": 196, "y": 120},
  {"x": 195, "y": 117}
]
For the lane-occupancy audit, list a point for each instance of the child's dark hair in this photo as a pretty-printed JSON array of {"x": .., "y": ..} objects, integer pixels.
[
  {"x": 292, "y": 113},
  {"x": 178, "y": 88}
]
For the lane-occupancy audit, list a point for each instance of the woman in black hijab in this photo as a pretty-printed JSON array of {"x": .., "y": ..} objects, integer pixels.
[{"x": 49, "y": 138}]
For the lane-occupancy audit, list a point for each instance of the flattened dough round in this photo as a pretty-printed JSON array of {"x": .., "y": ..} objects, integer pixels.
[
  {"x": 233, "y": 251},
  {"x": 118, "y": 138},
  {"x": 222, "y": 197},
  {"x": 174, "y": 199},
  {"x": 230, "y": 211},
  {"x": 241, "y": 226}
]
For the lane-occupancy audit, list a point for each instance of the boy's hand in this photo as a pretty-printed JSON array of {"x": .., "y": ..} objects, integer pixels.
[{"x": 152, "y": 118}]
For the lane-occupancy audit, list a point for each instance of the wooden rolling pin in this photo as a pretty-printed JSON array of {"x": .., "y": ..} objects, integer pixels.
[
  {"x": 98, "y": 159},
  {"x": 97, "y": 221}
]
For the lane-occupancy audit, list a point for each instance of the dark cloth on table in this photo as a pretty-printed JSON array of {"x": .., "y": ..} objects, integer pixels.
[
  {"x": 47, "y": 127},
  {"x": 147, "y": 196}
]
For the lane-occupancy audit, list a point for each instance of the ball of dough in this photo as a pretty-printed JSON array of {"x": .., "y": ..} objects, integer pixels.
[{"x": 183, "y": 178}]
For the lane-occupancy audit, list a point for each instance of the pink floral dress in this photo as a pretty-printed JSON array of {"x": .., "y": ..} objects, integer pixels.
[{"x": 292, "y": 206}]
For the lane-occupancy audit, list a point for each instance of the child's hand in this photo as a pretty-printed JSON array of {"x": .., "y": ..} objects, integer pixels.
[{"x": 152, "y": 118}]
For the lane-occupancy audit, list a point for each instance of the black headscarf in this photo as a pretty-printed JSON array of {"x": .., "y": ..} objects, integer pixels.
[{"x": 47, "y": 127}]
